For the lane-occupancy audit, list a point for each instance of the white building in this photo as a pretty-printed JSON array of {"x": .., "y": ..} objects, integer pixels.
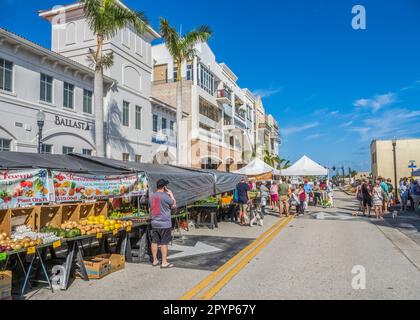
[
  {"x": 128, "y": 109},
  {"x": 218, "y": 115},
  {"x": 33, "y": 78}
]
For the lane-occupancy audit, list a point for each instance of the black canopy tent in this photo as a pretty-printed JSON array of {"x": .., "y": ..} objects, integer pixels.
[
  {"x": 188, "y": 186},
  {"x": 224, "y": 181},
  {"x": 68, "y": 163}
]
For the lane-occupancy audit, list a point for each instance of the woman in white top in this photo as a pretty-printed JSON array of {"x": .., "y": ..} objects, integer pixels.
[{"x": 377, "y": 199}]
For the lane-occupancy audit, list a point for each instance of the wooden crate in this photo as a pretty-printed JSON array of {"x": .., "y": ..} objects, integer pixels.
[
  {"x": 70, "y": 212},
  {"x": 101, "y": 208},
  {"x": 86, "y": 210},
  {"x": 51, "y": 215},
  {"x": 6, "y": 222},
  {"x": 24, "y": 216}
]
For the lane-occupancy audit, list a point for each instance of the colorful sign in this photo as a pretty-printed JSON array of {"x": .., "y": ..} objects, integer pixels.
[
  {"x": 23, "y": 188},
  {"x": 71, "y": 187}
]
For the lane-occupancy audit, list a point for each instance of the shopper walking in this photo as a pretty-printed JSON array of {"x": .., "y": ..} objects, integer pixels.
[
  {"x": 302, "y": 199},
  {"x": 274, "y": 191},
  {"x": 404, "y": 195},
  {"x": 265, "y": 194},
  {"x": 284, "y": 191},
  {"x": 367, "y": 197},
  {"x": 161, "y": 204},
  {"x": 317, "y": 194},
  {"x": 385, "y": 194},
  {"x": 378, "y": 199},
  {"x": 243, "y": 200}
]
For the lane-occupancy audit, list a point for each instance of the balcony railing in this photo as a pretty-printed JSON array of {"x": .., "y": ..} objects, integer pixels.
[
  {"x": 224, "y": 96},
  {"x": 265, "y": 126}
]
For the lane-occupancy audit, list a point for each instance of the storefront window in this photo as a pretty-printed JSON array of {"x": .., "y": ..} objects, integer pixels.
[
  {"x": 6, "y": 75},
  {"x": 5, "y": 145},
  {"x": 67, "y": 150},
  {"x": 138, "y": 117},
  {"x": 87, "y": 152},
  {"x": 87, "y": 101},
  {"x": 155, "y": 123},
  {"x": 126, "y": 114},
  {"x": 68, "y": 95},
  {"x": 46, "y": 88},
  {"x": 46, "y": 149}
]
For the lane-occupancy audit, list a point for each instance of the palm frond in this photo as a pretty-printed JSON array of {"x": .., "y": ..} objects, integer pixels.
[{"x": 201, "y": 34}]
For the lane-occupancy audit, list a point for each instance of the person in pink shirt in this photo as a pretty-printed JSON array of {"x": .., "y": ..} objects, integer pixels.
[{"x": 274, "y": 191}]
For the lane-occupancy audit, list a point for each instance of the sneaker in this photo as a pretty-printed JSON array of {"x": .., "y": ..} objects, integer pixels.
[{"x": 262, "y": 223}]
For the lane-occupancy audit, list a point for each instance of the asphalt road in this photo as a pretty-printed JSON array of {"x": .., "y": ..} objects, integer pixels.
[{"x": 312, "y": 258}]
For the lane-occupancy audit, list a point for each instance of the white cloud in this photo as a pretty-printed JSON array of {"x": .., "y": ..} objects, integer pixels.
[
  {"x": 297, "y": 129},
  {"x": 266, "y": 93},
  {"x": 314, "y": 136},
  {"x": 347, "y": 124},
  {"x": 377, "y": 102}
]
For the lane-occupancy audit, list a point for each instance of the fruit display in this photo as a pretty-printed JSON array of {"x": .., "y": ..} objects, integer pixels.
[
  {"x": 23, "y": 237},
  {"x": 129, "y": 211},
  {"x": 86, "y": 227},
  {"x": 208, "y": 201}
]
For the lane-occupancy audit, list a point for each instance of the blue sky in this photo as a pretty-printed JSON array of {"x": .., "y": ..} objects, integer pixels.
[{"x": 332, "y": 89}]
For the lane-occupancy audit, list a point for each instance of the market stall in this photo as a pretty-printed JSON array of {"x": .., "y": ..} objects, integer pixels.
[
  {"x": 305, "y": 167},
  {"x": 258, "y": 169}
]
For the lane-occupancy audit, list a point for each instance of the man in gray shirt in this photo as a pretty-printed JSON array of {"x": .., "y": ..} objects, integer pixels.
[{"x": 161, "y": 204}]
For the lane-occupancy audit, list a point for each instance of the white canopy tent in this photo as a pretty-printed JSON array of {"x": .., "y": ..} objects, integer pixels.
[
  {"x": 305, "y": 167},
  {"x": 257, "y": 168}
]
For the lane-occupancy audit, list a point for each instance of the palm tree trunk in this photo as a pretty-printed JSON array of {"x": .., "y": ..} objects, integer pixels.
[
  {"x": 179, "y": 115},
  {"x": 99, "y": 101}
]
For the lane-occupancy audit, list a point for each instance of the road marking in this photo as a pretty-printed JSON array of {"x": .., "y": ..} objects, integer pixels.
[
  {"x": 207, "y": 281},
  {"x": 232, "y": 273},
  {"x": 199, "y": 249}
]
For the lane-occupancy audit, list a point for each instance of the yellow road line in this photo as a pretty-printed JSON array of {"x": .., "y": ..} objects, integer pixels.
[
  {"x": 232, "y": 273},
  {"x": 203, "y": 284}
]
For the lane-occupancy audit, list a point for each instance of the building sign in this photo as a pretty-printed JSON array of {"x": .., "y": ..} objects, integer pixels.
[
  {"x": 71, "y": 187},
  {"x": 23, "y": 188},
  {"x": 64, "y": 122}
]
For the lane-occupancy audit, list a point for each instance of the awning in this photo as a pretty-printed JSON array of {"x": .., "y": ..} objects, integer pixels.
[
  {"x": 188, "y": 186},
  {"x": 68, "y": 163},
  {"x": 305, "y": 167},
  {"x": 416, "y": 173},
  {"x": 257, "y": 167}
]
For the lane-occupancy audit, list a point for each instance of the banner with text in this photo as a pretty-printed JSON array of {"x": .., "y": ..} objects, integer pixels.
[
  {"x": 70, "y": 187},
  {"x": 23, "y": 188}
]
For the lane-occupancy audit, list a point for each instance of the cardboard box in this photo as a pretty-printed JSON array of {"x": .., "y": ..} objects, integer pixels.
[
  {"x": 97, "y": 267},
  {"x": 117, "y": 261},
  {"x": 5, "y": 285}
]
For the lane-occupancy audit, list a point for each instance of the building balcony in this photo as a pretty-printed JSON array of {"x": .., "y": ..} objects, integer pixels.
[
  {"x": 265, "y": 126},
  {"x": 224, "y": 96}
]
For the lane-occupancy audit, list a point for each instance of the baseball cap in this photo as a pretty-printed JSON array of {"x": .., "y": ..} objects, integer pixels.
[{"x": 162, "y": 183}]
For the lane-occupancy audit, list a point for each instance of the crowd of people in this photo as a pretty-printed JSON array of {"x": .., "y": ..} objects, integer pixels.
[
  {"x": 280, "y": 196},
  {"x": 380, "y": 195}
]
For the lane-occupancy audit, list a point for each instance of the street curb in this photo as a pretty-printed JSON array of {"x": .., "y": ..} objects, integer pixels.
[{"x": 404, "y": 244}]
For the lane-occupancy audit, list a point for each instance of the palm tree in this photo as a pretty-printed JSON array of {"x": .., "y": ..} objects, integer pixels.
[
  {"x": 181, "y": 48},
  {"x": 106, "y": 18}
]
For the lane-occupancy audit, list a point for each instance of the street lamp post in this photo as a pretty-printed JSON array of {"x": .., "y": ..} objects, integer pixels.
[
  {"x": 394, "y": 149},
  {"x": 40, "y": 117}
]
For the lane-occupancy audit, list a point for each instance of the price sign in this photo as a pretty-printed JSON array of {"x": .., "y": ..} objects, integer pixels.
[
  {"x": 3, "y": 256},
  {"x": 129, "y": 229},
  {"x": 31, "y": 250},
  {"x": 115, "y": 232},
  {"x": 57, "y": 244},
  {"x": 99, "y": 235}
]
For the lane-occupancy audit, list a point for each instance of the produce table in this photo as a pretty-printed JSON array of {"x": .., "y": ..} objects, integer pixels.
[
  {"x": 212, "y": 208},
  {"x": 73, "y": 259}
]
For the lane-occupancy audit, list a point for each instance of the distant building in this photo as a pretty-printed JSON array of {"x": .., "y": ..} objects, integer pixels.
[{"x": 382, "y": 157}]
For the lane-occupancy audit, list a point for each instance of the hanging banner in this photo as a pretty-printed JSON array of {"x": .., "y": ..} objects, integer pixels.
[
  {"x": 70, "y": 187},
  {"x": 23, "y": 188}
]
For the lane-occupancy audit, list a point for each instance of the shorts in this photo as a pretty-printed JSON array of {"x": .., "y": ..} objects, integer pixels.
[
  {"x": 275, "y": 197},
  {"x": 367, "y": 202},
  {"x": 243, "y": 207},
  {"x": 161, "y": 237},
  {"x": 284, "y": 199}
]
